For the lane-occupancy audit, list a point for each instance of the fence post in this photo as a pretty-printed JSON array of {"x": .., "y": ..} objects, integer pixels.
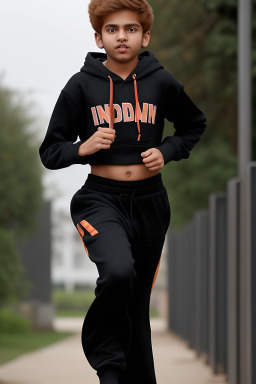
[
  {"x": 201, "y": 281},
  {"x": 244, "y": 157},
  {"x": 247, "y": 275},
  {"x": 233, "y": 189},
  {"x": 218, "y": 282}
]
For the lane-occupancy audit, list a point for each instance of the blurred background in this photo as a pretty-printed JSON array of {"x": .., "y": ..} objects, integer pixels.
[{"x": 44, "y": 272}]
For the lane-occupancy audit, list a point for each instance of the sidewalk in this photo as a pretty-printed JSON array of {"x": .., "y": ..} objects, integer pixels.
[{"x": 65, "y": 363}]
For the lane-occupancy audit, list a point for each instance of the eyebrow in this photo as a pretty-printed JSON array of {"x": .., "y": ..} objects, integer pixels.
[{"x": 126, "y": 25}]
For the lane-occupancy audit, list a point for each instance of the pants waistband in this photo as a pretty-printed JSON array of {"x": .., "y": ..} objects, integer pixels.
[{"x": 142, "y": 187}]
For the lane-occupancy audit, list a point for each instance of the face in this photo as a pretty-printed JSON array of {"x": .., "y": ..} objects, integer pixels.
[{"x": 122, "y": 28}]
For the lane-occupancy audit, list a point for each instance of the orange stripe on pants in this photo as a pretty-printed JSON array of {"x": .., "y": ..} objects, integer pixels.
[{"x": 89, "y": 227}]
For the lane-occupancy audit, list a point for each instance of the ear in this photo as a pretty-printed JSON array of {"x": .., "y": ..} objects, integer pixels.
[
  {"x": 98, "y": 40},
  {"x": 145, "y": 39}
]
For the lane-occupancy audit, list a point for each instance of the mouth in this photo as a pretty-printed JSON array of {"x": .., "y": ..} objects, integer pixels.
[{"x": 122, "y": 47}]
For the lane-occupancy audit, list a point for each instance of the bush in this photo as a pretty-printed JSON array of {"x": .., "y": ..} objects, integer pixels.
[
  {"x": 77, "y": 300},
  {"x": 13, "y": 284},
  {"x": 12, "y": 322}
]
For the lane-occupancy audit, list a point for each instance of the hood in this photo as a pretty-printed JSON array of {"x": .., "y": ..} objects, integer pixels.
[{"x": 147, "y": 64}]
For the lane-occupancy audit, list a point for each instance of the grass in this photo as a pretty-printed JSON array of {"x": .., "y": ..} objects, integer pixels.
[
  {"x": 14, "y": 345},
  {"x": 78, "y": 313},
  {"x": 74, "y": 303},
  {"x": 77, "y": 303},
  {"x": 70, "y": 313}
]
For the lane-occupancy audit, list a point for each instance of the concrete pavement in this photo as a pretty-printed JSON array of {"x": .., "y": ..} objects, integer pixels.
[{"x": 65, "y": 363}]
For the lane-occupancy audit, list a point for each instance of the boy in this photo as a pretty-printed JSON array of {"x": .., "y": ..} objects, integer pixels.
[{"x": 122, "y": 212}]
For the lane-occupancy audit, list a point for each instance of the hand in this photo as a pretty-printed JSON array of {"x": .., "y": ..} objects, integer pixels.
[
  {"x": 153, "y": 159},
  {"x": 101, "y": 139}
]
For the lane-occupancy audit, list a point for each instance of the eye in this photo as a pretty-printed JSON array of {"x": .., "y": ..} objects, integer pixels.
[
  {"x": 111, "y": 29},
  {"x": 134, "y": 29}
]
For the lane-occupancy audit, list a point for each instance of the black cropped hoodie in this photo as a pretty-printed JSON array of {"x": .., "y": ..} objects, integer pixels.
[{"x": 135, "y": 107}]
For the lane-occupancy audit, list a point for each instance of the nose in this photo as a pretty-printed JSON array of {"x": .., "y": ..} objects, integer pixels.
[{"x": 121, "y": 36}]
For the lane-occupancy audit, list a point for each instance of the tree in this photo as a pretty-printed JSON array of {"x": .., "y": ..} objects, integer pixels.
[
  {"x": 196, "y": 40},
  {"x": 20, "y": 189},
  {"x": 191, "y": 181},
  {"x": 20, "y": 171}
]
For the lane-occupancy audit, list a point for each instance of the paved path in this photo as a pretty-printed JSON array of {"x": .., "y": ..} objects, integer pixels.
[{"x": 64, "y": 361}]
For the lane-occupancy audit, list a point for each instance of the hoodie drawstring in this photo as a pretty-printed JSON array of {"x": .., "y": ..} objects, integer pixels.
[
  {"x": 111, "y": 120},
  {"x": 137, "y": 105}
]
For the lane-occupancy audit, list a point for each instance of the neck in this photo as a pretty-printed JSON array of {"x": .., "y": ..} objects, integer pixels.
[{"x": 121, "y": 69}]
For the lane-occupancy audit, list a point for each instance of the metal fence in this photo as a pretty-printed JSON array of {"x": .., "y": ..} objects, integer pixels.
[{"x": 208, "y": 276}]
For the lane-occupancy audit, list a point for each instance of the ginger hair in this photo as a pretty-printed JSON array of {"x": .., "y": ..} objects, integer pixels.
[{"x": 98, "y": 9}]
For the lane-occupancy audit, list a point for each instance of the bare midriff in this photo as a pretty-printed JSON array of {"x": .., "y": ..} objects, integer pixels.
[{"x": 123, "y": 172}]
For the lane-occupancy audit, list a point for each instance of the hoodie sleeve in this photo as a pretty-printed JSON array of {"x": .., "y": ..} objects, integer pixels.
[
  {"x": 59, "y": 148},
  {"x": 189, "y": 123}
]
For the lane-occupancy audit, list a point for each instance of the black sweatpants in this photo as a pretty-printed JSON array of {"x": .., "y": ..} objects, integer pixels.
[{"x": 122, "y": 225}]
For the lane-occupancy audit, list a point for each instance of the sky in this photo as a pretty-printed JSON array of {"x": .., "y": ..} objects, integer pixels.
[{"x": 42, "y": 44}]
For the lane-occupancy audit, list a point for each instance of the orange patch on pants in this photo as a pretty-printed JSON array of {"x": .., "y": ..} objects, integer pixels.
[{"x": 89, "y": 227}]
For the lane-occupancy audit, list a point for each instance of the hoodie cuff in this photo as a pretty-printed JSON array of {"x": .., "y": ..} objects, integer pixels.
[
  {"x": 73, "y": 157},
  {"x": 168, "y": 151}
]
